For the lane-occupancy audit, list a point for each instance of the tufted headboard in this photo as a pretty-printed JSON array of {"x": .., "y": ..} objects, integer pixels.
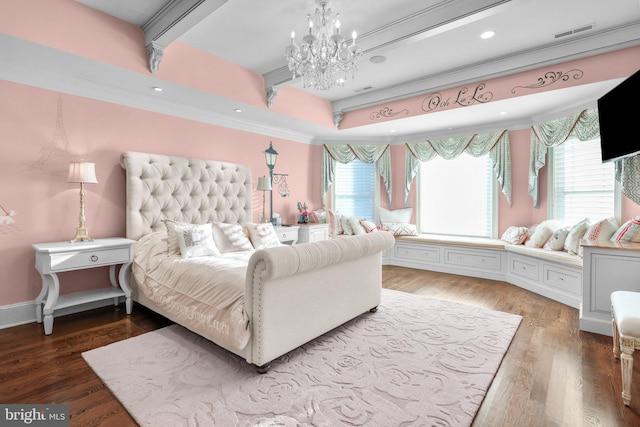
[{"x": 191, "y": 190}]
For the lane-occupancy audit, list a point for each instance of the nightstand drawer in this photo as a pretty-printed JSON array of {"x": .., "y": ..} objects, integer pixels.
[{"x": 88, "y": 259}]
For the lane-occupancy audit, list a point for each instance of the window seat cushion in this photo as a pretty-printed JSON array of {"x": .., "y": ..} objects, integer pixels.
[{"x": 476, "y": 242}]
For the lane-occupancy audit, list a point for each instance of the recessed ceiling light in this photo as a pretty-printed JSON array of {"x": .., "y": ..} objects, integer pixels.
[
  {"x": 393, "y": 130},
  {"x": 237, "y": 110},
  {"x": 487, "y": 35},
  {"x": 378, "y": 59},
  {"x": 157, "y": 89},
  {"x": 502, "y": 113}
]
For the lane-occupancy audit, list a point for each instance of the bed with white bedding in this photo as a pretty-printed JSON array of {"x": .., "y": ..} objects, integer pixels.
[{"x": 259, "y": 304}]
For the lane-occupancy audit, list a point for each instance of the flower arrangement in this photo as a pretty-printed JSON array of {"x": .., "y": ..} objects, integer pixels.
[{"x": 304, "y": 215}]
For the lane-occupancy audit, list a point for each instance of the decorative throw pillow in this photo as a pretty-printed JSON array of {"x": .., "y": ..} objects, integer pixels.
[
  {"x": 400, "y": 228},
  {"x": 572, "y": 242},
  {"x": 602, "y": 230},
  {"x": 356, "y": 228},
  {"x": 530, "y": 232},
  {"x": 319, "y": 216},
  {"x": 230, "y": 237},
  {"x": 368, "y": 226},
  {"x": 346, "y": 226},
  {"x": 515, "y": 235},
  {"x": 195, "y": 240},
  {"x": 397, "y": 216},
  {"x": 542, "y": 233},
  {"x": 628, "y": 232},
  {"x": 173, "y": 244},
  {"x": 262, "y": 236},
  {"x": 333, "y": 219},
  {"x": 556, "y": 241}
]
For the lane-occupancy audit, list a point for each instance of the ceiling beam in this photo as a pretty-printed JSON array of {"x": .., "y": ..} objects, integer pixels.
[{"x": 173, "y": 20}]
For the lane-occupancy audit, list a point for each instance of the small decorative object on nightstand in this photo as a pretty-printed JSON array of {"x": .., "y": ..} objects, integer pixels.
[
  {"x": 53, "y": 258},
  {"x": 311, "y": 232}
]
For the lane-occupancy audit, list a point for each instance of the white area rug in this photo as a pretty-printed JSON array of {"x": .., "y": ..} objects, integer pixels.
[{"x": 416, "y": 362}]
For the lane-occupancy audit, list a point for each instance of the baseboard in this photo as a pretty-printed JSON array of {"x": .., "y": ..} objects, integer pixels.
[{"x": 25, "y": 312}]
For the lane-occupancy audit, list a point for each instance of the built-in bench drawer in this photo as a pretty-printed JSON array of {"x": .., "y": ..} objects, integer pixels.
[
  {"x": 524, "y": 268},
  {"x": 476, "y": 259},
  {"x": 417, "y": 252},
  {"x": 562, "y": 278}
]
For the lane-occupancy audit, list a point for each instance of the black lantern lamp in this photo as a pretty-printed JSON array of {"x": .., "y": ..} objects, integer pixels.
[{"x": 270, "y": 156}]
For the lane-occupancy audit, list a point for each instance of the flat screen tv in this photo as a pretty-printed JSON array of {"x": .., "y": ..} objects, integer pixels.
[{"x": 619, "y": 120}]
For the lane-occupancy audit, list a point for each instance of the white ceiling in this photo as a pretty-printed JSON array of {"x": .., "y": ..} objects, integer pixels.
[{"x": 423, "y": 54}]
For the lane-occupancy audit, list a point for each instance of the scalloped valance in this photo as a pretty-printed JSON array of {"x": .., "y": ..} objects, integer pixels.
[
  {"x": 346, "y": 153},
  {"x": 495, "y": 144},
  {"x": 583, "y": 125}
]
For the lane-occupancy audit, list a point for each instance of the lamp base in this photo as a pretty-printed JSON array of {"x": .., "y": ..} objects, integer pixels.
[{"x": 81, "y": 235}]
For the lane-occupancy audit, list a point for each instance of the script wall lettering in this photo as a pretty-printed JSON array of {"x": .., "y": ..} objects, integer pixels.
[
  {"x": 387, "y": 112},
  {"x": 464, "y": 98},
  {"x": 551, "y": 77}
]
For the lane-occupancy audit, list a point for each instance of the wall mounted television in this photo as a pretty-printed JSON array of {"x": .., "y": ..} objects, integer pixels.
[{"x": 619, "y": 120}]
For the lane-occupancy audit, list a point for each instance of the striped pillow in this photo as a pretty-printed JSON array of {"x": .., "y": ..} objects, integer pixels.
[{"x": 629, "y": 232}]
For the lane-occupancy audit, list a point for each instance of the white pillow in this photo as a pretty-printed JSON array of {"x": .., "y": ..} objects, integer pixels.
[
  {"x": 572, "y": 243},
  {"x": 345, "y": 225},
  {"x": 195, "y": 240},
  {"x": 556, "y": 241},
  {"x": 173, "y": 245},
  {"x": 515, "y": 235},
  {"x": 602, "y": 230},
  {"x": 230, "y": 237},
  {"x": 368, "y": 226},
  {"x": 262, "y": 236},
  {"x": 397, "y": 216},
  {"x": 356, "y": 227},
  {"x": 542, "y": 233},
  {"x": 400, "y": 229}
]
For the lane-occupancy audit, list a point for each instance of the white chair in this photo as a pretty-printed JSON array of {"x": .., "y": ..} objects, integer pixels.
[{"x": 625, "y": 308}]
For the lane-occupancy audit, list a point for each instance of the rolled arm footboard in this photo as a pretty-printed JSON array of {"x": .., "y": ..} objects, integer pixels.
[{"x": 294, "y": 294}]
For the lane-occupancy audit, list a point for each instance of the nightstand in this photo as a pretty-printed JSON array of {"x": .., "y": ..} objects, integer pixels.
[
  {"x": 287, "y": 234},
  {"x": 53, "y": 258},
  {"x": 312, "y": 232}
]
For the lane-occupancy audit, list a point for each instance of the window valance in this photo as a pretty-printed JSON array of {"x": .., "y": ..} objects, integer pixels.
[
  {"x": 346, "y": 153},
  {"x": 583, "y": 125},
  {"x": 495, "y": 144}
]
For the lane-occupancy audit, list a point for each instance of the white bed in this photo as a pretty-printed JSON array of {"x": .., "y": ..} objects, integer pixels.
[{"x": 275, "y": 299}]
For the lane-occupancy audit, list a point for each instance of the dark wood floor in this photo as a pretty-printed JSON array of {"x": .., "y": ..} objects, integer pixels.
[{"x": 552, "y": 375}]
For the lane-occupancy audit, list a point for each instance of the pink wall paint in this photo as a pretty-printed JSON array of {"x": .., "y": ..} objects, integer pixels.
[
  {"x": 47, "y": 206},
  {"x": 75, "y": 28}
]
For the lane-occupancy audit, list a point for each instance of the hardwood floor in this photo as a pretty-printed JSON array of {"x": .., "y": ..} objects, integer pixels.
[{"x": 552, "y": 375}]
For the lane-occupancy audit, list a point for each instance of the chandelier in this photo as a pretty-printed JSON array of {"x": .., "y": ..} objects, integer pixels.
[{"x": 325, "y": 57}]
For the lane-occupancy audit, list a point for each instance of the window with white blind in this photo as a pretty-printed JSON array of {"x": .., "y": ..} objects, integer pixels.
[
  {"x": 580, "y": 185},
  {"x": 355, "y": 189},
  {"x": 457, "y": 196}
]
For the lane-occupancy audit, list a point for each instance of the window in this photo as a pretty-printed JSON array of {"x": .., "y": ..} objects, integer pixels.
[
  {"x": 355, "y": 189},
  {"x": 580, "y": 185},
  {"x": 457, "y": 196}
]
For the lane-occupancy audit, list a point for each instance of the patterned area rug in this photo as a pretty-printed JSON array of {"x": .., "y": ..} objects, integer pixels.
[{"x": 416, "y": 362}]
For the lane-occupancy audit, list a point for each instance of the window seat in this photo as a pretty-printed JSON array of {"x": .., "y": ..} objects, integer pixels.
[{"x": 553, "y": 274}]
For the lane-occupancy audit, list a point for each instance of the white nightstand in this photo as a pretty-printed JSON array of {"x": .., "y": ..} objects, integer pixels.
[
  {"x": 53, "y": 258},
  {"x": 287, "y": 234},
  {"x": 313, "y": 232}
]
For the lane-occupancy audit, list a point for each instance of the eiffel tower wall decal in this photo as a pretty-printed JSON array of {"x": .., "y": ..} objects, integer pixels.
[{"x": 55, "y": 156}]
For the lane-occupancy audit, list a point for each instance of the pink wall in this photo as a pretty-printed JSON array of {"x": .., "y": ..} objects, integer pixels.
[{"x": 34, "y": 165}]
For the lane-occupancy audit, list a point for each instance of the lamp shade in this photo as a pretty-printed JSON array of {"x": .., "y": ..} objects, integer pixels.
[
  {"x": 82, "y": 172},
  {"x": 270, "y": 156},
  {"x": 264, "y": 183}
]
